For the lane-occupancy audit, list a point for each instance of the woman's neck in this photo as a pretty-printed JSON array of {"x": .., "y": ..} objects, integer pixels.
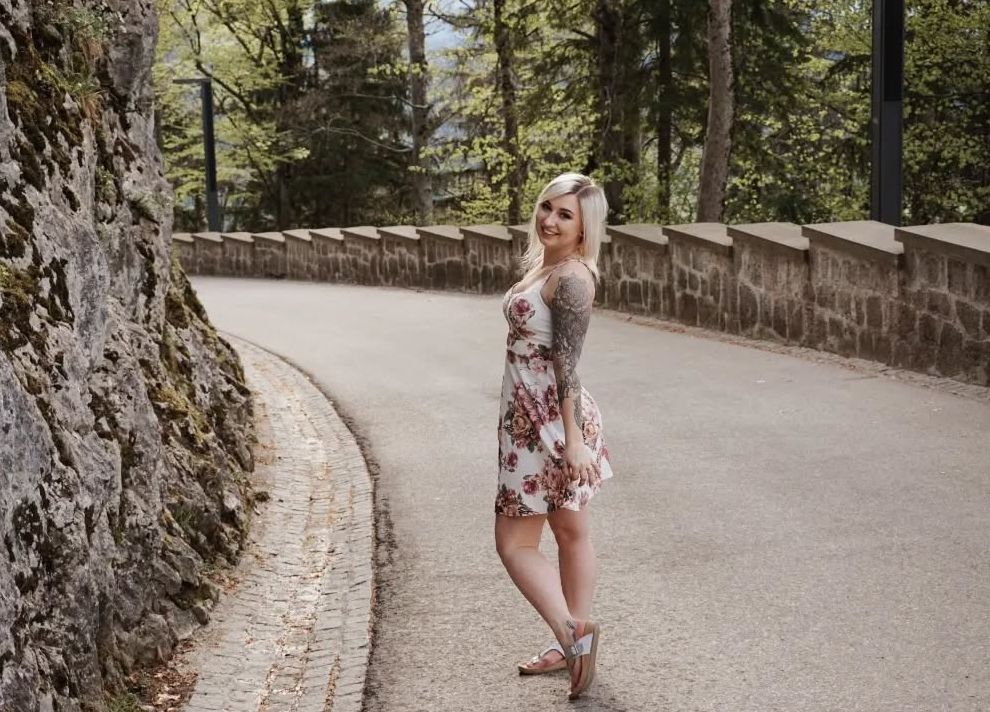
[{"x": 550, "y": 260}]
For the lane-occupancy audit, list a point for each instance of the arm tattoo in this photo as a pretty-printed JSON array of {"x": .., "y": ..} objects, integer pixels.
[{"x": 570, "y": 314}]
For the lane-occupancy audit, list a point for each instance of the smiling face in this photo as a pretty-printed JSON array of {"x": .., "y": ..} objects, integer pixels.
[{"x": 559, "y": 225}]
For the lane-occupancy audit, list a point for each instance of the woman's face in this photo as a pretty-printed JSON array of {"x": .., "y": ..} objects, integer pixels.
[{"x": 558, "y": 224}]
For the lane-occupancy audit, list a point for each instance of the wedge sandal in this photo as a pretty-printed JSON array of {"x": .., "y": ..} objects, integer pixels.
[
  {"x": 587, "y": 646},
  {"x": 525, "y": 669}
]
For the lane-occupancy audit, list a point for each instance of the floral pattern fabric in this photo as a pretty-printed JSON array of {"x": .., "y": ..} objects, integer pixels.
[{"x": 531, "y": 476}]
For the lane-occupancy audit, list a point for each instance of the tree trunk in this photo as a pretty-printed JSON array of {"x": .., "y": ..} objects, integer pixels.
[
  {"x": 510, "y": 139},
  {"x": 620, "y": 48},
  {"x": 421, "y": 178},
  {"x": 665, "y": 123},
  {"x": 715, "y": 158},
  {"x": 608, "y": 27}
]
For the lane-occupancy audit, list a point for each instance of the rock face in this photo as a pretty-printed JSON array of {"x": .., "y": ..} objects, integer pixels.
[{"x": 125, "y": 425}]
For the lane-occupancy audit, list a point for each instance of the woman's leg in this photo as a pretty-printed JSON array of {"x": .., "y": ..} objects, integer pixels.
[
  {"x": 578, "y": 567},
  {"x": 517, "y": 540},
  {"x": 576, "y": 558}
]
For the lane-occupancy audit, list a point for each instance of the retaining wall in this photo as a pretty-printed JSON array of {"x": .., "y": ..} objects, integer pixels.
[{"x": 912, "y": 297}]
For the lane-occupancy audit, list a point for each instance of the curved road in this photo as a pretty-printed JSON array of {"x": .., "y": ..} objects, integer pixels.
[{"x": 781, "y": 534}]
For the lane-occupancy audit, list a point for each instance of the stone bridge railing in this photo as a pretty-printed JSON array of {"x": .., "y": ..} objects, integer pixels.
[{"x": 913, "y": 297}]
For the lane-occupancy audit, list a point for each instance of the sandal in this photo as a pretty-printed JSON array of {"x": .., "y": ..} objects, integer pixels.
[
  {"x": 527, "y": 668},
  {"x": 587, "y": 645}
]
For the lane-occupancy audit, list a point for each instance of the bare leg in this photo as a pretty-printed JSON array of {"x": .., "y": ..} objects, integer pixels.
[
  {"x": 517, "y": 540},
  {"x": 576, "y": 557},
  {"x": 578, "y": 567}
]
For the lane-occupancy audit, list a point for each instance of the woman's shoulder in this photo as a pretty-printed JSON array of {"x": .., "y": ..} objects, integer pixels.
[{"x": 572, "y": 279}]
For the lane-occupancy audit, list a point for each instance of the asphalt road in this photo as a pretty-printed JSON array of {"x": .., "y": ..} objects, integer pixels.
[{"x": 780, "y": 533}]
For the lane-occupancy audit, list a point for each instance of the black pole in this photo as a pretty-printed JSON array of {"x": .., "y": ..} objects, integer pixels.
[
  {"x": 887, "y": 117},
  {"x": 209, "y": 148},
  {"x": 212, "y": 203}
]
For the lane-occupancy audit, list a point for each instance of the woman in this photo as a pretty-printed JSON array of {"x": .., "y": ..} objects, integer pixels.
[{"x": 552, "y": 455}]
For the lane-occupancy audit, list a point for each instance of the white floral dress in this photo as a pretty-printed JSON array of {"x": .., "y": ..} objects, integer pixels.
[{"x": 531, "y": 477}]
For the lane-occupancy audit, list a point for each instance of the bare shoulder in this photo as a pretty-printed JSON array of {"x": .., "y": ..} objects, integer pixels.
[{"x": 572, "y": 282}]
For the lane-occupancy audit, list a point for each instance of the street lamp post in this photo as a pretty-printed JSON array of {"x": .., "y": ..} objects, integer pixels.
[
  {"x": 887, "y": 116},
  {"x": 212, "y": 202}
]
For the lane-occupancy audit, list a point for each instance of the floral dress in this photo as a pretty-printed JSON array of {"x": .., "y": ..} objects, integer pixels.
[{"x": 531, "y": 475}]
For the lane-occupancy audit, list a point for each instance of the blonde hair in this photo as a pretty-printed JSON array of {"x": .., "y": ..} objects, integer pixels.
[{"x": 594, "y": 210}]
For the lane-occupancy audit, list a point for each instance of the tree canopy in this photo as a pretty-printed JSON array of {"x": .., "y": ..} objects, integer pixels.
[{"x": 323, "y": 119}]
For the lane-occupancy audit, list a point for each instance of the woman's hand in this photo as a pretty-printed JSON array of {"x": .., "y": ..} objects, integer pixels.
[{"x": 579, "y": 463}]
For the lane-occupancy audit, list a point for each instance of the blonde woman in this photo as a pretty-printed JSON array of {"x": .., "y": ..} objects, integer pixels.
[{"x": 552, "y": 455}]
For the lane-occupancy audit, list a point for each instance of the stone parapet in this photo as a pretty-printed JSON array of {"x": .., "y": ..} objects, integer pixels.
[
  {"x": 363, "y": 250},
  {"x": 328, "y": 253},
  {"x": 703, "y": 271},
  {"x": 855, "y": 288},
  {"x": 945, "y": 306},
  {"x": 270, "y": 255},
  {"x": 635, "y": 266},
  {"x": 238, "y": 254},
  {"x": 208, "y": 247},
  {"x": 443, "y": 256},
  {"x": 913, "y": 297},
  {"x": 402, "y": 258},
  {"x": 299, "y": 262},
  {"x": 184, "y": 248},
  {"x": 771, "y": 281},
  {"x": 488, "y": 258}
]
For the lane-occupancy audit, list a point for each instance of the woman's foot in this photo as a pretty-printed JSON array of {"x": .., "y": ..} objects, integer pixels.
[
  {"x": 550, "y": 659},
  {"x": 582, "y": 655},
  {"x": 574, "y": 664}
]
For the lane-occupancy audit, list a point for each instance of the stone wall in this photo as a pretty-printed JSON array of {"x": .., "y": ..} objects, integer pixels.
[
  {"x": 913, "y": 297},
  {"x": 125, "y": 424}
]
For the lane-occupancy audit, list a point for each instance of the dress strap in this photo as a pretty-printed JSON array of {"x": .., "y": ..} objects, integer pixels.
[{"x": 569, "y": 259}]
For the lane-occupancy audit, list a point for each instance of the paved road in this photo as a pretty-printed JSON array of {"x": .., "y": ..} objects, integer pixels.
[{"x": 781, "y": 534}]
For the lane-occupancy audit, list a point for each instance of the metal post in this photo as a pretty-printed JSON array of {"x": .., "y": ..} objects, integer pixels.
[
  {"x": 212, "y": 203},
  {"x": 887, "y": 116},
  {"x": 209, "y": 149}
]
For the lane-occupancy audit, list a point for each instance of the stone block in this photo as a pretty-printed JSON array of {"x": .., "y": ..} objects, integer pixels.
[
  {"x": 901, "y": 354},
  {"x": 825, "y": 296},
  {"x": 976, "y": 362},
  {"x": 796, "y": 321},
  {"x": 940, "y": 304},
  {"x": 819, "y": 330},
  {"x": 634, "y": 293},
  {"x": 874, "y": 312},
  {"x": 981, "y": 283},
  {"x": 958, "y": 277},
  {"x": 708, "y": 315},
  {"x": 907, "y": 318},
  {"x": 950, "y": 350},
  {"x": 687, "y": 308},
  {"x": 843, "y": 304},
  {"x": 928, "y": 329},
  {"x": 969, "y": 317},
  {"x": 748, "y": 308}
]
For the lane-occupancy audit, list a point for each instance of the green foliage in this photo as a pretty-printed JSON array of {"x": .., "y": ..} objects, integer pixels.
[
  {"x": 308, "y": 109},
  {"x": 314, "y": 122},
  {"x": 124, "y": 702}
]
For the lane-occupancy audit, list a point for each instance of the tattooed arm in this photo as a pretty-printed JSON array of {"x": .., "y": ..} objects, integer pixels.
[{"x": 570, "y": 313}]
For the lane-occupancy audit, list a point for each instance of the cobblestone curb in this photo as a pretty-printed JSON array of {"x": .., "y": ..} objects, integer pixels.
[{"x": 294, "y": 634}]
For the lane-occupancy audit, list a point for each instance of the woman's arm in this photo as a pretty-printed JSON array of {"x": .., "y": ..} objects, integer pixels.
[{"x": 570, "y": 313}]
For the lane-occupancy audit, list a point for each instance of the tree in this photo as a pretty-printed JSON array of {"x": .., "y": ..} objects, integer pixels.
[
  {"x": 507, "y": 89},
  {"x": 715, "y": 159},
  {"x": 420, "y": 110}
]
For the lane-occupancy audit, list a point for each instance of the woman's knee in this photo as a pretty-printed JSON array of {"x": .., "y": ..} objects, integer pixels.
[
  {"x": 569, "y": 526},
  {"x": 513, "y": 533}
]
